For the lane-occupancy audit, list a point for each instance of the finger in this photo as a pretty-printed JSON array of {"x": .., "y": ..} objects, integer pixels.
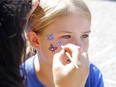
[
  {"x": 74, "y": 56},
  {"x": 74, "y": 50},
  {"x": 57, "y": 62}
]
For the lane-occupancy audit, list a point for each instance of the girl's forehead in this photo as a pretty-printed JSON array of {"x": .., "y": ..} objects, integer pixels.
[{"x": 69, "y": 22}]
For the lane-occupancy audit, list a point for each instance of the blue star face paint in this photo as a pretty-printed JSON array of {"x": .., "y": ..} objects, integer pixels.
[
  {"x": 60, "y": 43},
  {"x": 52, "y": 48},
  {"x": 50, "y": 36}
]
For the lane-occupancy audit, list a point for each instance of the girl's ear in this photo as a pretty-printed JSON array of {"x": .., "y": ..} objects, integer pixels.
[{"x": 33, "y": 39}]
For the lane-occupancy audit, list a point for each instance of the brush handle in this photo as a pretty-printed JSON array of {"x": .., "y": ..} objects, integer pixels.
[{"x": 68, "y": 55}]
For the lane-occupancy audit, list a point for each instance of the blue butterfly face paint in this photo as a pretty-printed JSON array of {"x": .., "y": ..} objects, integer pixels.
[
  {"x": 52, "y": 48},
  {"x": 50, "y": 36},
  {"x": 60, "y": 43}
]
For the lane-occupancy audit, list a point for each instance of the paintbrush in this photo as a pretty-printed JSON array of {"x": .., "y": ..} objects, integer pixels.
[{"x": 71, "y": 59}]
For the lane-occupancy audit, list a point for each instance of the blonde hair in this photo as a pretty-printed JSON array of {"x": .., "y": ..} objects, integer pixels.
[{"x": 54, "y": 9}]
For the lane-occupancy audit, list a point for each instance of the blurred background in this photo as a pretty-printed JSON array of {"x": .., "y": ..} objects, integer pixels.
[{"x": 102, "y": 50}]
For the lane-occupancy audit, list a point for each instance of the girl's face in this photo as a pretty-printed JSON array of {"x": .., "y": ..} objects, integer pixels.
[{"x": 72, "y": 29}]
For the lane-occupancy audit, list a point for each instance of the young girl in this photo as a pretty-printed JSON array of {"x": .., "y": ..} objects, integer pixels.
[{"x": 63, "y": 27}]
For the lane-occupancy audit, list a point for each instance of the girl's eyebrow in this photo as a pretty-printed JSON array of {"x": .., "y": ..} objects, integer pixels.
[
  {"x": 87, "y": 31},
  {"x": 71, "y": 32},
  {"x": 64, "y": 31}
]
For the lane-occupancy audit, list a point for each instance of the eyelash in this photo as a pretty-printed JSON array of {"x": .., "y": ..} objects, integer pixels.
[
  {"x": 69, "y": 36},
  {"x": 66, "y": 36},
  {"x": 85, "y": 36}
]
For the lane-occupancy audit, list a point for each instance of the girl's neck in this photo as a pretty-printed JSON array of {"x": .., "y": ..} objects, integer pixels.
[{"x": 43, "y": 73}]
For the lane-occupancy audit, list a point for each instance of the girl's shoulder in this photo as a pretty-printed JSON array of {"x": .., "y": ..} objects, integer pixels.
[
  {"x": 94, "y": 70},
  {"x": 28, "y": 65},
  {"x": 95, "y": 78}
]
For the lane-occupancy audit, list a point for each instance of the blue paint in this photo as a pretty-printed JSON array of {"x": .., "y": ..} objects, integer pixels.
[
  {"x": 60, "y": 43},
  {"x": 50, "y": 36}
]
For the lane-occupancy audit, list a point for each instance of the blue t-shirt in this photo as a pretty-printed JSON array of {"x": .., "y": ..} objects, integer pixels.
[{"x": 94, "y": 78}]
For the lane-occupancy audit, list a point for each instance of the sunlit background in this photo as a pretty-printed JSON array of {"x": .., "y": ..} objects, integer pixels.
[{"x": 102, "y": 50}]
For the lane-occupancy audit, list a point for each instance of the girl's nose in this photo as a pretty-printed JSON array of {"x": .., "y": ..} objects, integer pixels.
[{"x": 78, "y": 43}]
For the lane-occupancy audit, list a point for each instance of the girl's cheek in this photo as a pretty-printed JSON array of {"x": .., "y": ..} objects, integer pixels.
[{"x": 55, "y": 47}]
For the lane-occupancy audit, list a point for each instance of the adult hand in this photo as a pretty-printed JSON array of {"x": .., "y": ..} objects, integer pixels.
[{"x": 65, "y": 74}]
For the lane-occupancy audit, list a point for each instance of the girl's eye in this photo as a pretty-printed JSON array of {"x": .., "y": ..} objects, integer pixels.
[
  {"x": 66, "y": 36},
  {"x": 85, "y": 36}
]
